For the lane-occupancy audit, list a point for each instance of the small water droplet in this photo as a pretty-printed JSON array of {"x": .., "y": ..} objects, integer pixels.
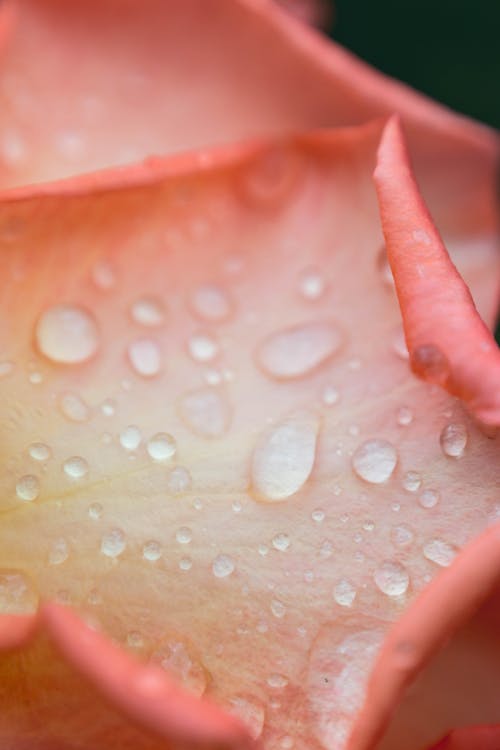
[
  {"x": 76, "y": 467},
  {"x": 223, "y": 566},
  {"x": 108, "y": 407},
  {"x": 28, "y": 488},
  {"x": 278, "y": 608},
  {"x": 297, "y": 351},
  {"x": 281, "y": 542},
  {"x": 67, "y": 334},
  {"x": 404, "y": 416},
  {"x": 236, "y": 506},
  {"x": 103, "y": 276},
  {"x": 202, "y": 347},
  {"x": 161, "y": 446},
  {"x": 311, "y": 284},
  {"x": 412, "y": 481},
  {"x": 6, "y": 368},
  {"x": 277, "y": 681},
  {"x": 375, "y": 460},
  {"x": 151, "y": 551},
  {"x": 429, "y": 362},
  {"x": 40, "y": 451},
  {"x": 178, "y": 659},
  {"x": 206, "y": 412},
  {"x": 179, "y": 480},
  {"x": 59, "y": 552},
  {"x": 148, "y": 311},
  {"x": 73, "y": 407},
  {"x": 95, "y": 511},
  {"x": 344, "y": 593},
  {"x": 211, "y": 303},
  {"x": 113, "y": 543},
  {"x": 318, "y": 515},
  {"x": 144, "y": 356},
  {"x": 184, "y": 535},
  {"x": 330, "y": 395},
  {"x": 17, "y": 594},
  {"x": 429, "y": 498},
  {"x": 250, "y": 712},
  {"x": 453, "y": 439},
  {"x": 440, "y": 552},
  {"x": 326, "y": 548},
  {"x": 392, "y": 578},
  {"x": 130, "y": 438},
  {"x": 402, "y": 535},
  {"x": 284, "y": 456},
  {"x": 185, "y": 563}
]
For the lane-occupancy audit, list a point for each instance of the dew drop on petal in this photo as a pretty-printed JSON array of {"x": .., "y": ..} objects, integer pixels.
[
  {"x": 108, "y": 407},
  {"x": 391, "y": 578},
  {"x": 453, "y": 439},
  {"x": 184, "y": 535},
  {"x": 161, "y": 446},
  {"x": 179, "y": 480},
  {"x": 402, "y": 536},
  {"x": 297, "y": 351},
  {"x": 318, "y": 515},
  {"x": 75, "y": 467},
  {"x": 211, "y": 303},
  {"x": 202, "y": 347},
  {"x": 206, "y": 412},
  {"x": 412, "y": 481},
  {"x": 103, "y": 276},
  {"x": 176, "y": 658},
  {"x": 40, "y": 451},
  {"x": 311, "y": 284},
  {"x": 344, "y": 593},
  {"x": 277, "y": 681},
  {"x": 151, "y": 551},
  {"x": 113, "y": 543},
  {"x": 130, "y": 437},
  {"x": 278, "y": 608},
  {"x": 284, "y": 456},
  {"x": 28, "y": 488},
  {"x": 144, "y": 356},
  {"x": 404, "y": 416},
  {"x": 429, "y": 498},
  {"x": 95, "y": 511},
  {"x": 59, "y": 552},
  {"x": 185, "y": 563},
  {"x": 223, "y": 566},
  {"x": 429, "y": 362},
  {"x": 148, "y": 312},
  {"x": 281, "y": 542},
  {"x": 73, "y": 407},
  {"x": 330, "y": 395},
  {"x": 17, "y": 594},
  {"x": 440, "y": 552},
  {"x": 6, "y": 368},
  {"x": 375, "y": 460},
  {"x": 67, "y": 334}
]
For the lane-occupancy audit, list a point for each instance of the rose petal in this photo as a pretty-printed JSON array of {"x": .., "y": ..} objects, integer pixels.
[{"x": 471, "y": 738}]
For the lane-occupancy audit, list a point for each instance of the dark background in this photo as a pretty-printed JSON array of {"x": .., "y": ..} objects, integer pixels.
[{"x": 449, "y": 49}]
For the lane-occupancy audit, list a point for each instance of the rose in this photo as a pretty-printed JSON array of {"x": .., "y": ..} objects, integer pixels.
[{"x": 268, "y": 586}]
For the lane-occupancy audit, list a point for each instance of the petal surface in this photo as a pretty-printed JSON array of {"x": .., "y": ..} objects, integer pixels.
[{"x": 212, "y": 443}]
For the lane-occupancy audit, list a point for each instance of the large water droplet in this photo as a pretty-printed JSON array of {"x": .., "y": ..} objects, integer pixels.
[
  {"x": 17, "y": 594},
  {"x": 375, "y": 460},
  {"x": 76, "y": 467},
  {"x": 113, "y": 543},
  {"x": 206, "y": 412},
  {"x": 73, "y": 407},
  {"x": 440, "y": 552},
  {"x": 211, "y": 303},
  {"x": 148, "y": 311},
  {"x": 161, "y": 446},
  {"x": 284, "y": 456},
  {"x": 392, "y": 578},
  {"x": 297, "y": 351},
  {"x": 145, "y": 358},
  {"x": 130, "y": 438},
  {"x": 344, "y": 593},
  {"x": 28, "y": 488},
  {"x": 453, "y": 439},
  {"x": 223, "y": 566},
  {"x": 40, "y": 451},
  {"x": 151, "y": 551},
  {"x": 176, "y": 658},
  {"x": 67, "y": 334}
]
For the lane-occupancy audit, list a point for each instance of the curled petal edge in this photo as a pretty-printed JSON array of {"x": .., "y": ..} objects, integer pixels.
[
  {"x": 448, "y": 342},
  {"x": 471, "y": 738}
]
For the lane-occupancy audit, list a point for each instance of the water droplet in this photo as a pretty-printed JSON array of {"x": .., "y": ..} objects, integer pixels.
[
  {"x": 277, "y": 681},
  {"x": 67, "y": 334},
  {"x": 135, "y": 640},
  {"x": 284, "y": 456},
  {"x": 145, "y": 358},
  {"x": 399, "y": 345},
  {"x": 440, "y": 552},
  {"x": 330, "y": 395},
  {"x": 375, "y": 460},
  {"x": 402, "y": 535},
  {"x": 108, "y": 407},
  {"x": 206, "y": 412},
  {"x": 429, "y": 498},
  {"x": 404, "y": 416},
  {"x": 223, "y": 566},
  {"x": 318, "y": 515},
  {"x": 211, "y": 303},
  {"x": 113, "y": 543},
  {"x": 40, "y": 451},
  {"x": 28, "y": 488},
  {"x": 17, "y": 594},
  {"x": 73, "y": 407},
  {"x": 202, "y": 347},
  {"x": 368, "y": 525},
  {"x": 6, "y": 368},
  {"x": 59, "y": 552},
  {"x": 179, "y": 480},
  {"x": 453, "y": 439},
  {"x": 311, "y": 284},
  {"x": 95, "y": 511},
  {"x": 281, "y": 542},
  {"x": 35, "y": 378},
  {"x": 286, "y": 743},
  {"x": 103, "y": 276},
  {"x": 249, "y": 711},
  {"x": 151, "y": 551},
  {"x": 412, "y": 481},
  {"x": 278, "y": 608},
  {"x": 429, "y": 362},
  {"x": 236, "y": 506},
  {"x": 271, "y": 176},
  {"x": 161, "y": 446},
  {"x": 148, "y": 311},
  {"x": 344, "y": 593},
  {"x": 297, "y": 351},
  {"x": 130, "y": 438},
  {"x": 185, "y": 563},
  {"x": 178, "y": 659},
  {"x": 326, "y": 548},
  {"x": 76, "y": 467},
  {"x": 184, "y": 535},
  {"x": 392, "y": 578}
]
